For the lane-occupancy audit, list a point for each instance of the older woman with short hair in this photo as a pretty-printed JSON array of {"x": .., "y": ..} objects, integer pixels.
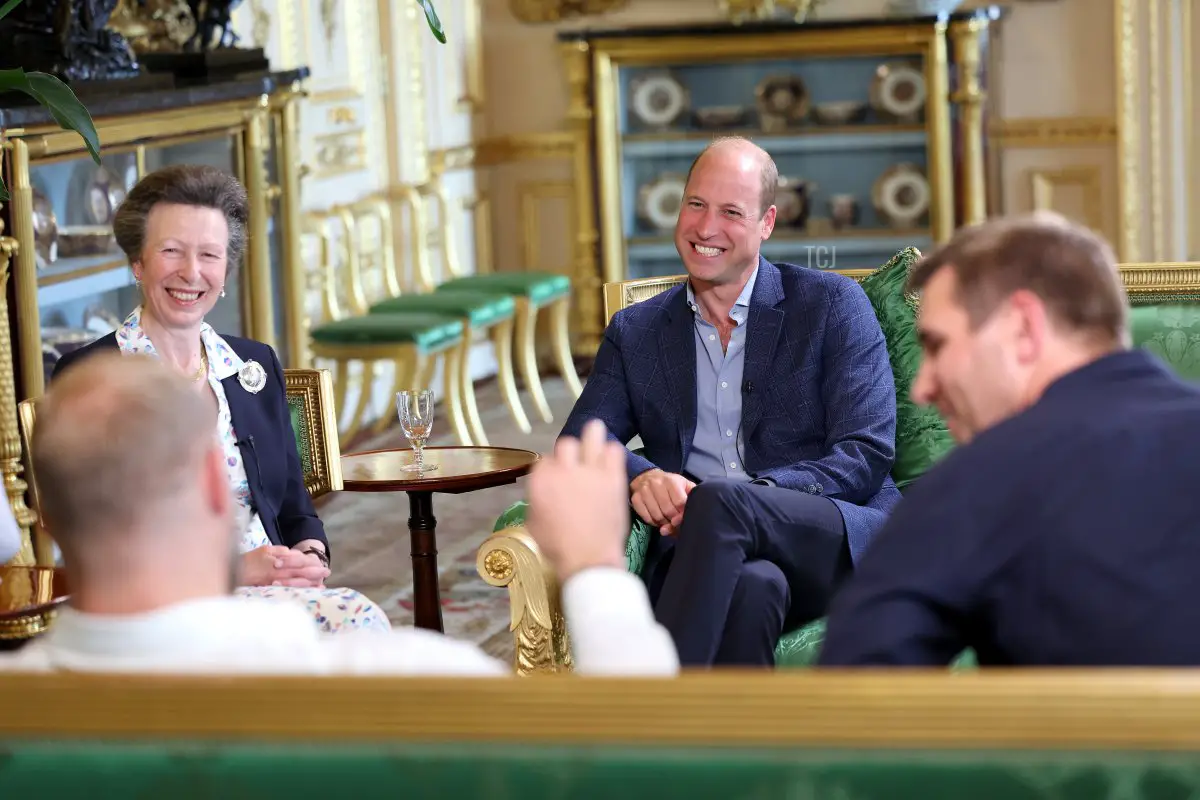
[{"x": 183, "y": 229}]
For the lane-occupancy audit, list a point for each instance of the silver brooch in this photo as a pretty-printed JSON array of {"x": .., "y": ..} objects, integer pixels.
[{"x": 252, "y": 377}]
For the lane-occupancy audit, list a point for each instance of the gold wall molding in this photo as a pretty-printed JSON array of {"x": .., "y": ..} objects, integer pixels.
[
  {"x": 524, "y": 147},
  {"x": 1128, "y": 134},
  {"x": 1053, "y": 131},
  {"x": 557, "y": 10},
  {"x": 531, "y": 194},
  {"x": 503, "y": 150},
  {"x": 340, "y": 153},
  {"x": 1045, "y": 184},
  {"x": 333, "y": 87},
  {"x": 471, "y": 100}
]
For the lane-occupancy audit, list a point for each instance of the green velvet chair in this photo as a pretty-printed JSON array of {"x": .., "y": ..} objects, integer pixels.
[
  {"x": 1165, "y": 319},
  {"x": 921, "y": 435}
]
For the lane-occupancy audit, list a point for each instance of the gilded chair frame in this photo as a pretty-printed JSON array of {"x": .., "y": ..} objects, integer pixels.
[
  {"x": 500, "y": 333},
  {"x": 26, "y": 417},
  {"x": 526, "y": 319},
  {"x": 510, "y": 558},
  {"x": 413, "y": 368},
  {"x": 314, "y": 387}
]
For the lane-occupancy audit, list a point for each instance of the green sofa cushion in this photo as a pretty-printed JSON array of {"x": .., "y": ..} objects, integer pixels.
[
  {"x": 207, "y": 766},
  {"x": 539, "y": 287},
  {"x": 1172, "y": 332},
  {"x": 922, "y": 438},
  {"x": 480, "y": 308},
  {"x": 426, "y": 331},
  {"x": 300, "y": 431},
  {"x": 801, "y": 649}
]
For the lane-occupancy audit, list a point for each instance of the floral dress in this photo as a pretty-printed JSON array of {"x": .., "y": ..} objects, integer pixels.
[{"x": 335, "y": 610}]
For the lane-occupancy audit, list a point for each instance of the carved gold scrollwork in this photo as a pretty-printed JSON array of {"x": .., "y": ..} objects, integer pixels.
[
  {"x": 10, "y": 434},
  {"x": 557, "y": 10},
  {"x": 510, "y": 558}
]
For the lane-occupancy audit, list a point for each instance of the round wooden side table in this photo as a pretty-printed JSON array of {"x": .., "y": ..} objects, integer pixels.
[
  {"x": 29, "y": 598},
  {"x": 459, "y": 470}
]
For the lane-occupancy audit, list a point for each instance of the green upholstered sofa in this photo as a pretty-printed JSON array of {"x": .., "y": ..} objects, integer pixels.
[
  {"x": 1165, "y": 318},
  {"x": 728, "y": 736}
]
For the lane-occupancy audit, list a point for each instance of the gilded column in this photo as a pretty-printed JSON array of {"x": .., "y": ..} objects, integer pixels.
[
  {"x": 10, "y": 433},
  {"x": 969, "y": 97},
  {"x": 262, "y": 300},
  {"x": 587, "y": 280},
  {"x": 295, "y": 284},
  {"x": 29, "y": 331}
]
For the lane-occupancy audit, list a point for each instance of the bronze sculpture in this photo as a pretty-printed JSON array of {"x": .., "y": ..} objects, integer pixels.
[{"x": 67, "y": 38}]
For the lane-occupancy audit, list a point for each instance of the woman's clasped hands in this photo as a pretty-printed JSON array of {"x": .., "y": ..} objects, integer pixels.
[{"x": 276, "y": 565}]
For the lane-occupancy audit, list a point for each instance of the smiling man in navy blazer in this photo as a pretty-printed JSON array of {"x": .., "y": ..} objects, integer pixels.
[{"x": 765, "y": 403}]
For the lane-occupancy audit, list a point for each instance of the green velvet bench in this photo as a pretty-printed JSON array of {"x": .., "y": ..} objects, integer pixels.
[
  {"x": 1165, "y": 318},
  {"x": 989, "y": 735}
]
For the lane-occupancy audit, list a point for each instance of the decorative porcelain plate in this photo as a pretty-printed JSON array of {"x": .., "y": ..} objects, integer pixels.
[
  {"x": 104, "y": 194},
  {"x": 45, "y": 229},
  {"x": 657, "y": 99},
  {"x": 783, "y": 100},
  {"x": 898, "y": 91},
  {"x": 659, "y": 200},
  {"x": 901, "y": 195}
]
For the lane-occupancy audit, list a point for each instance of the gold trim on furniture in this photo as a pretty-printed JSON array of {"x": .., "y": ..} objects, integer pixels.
[
  {"x": 314, "y": 387},
  {"x": 509, "y": 557},
  {"x": 930, "y": 41},
  {"x": 969, "y": 97},
  {"x": 10, "y": 433},
  {"x": 1061, "y": 710},
  {"x": 557, "y": 10},
  {"x": 1053, "y": 131},
  {"x": 41, "y": 546}
]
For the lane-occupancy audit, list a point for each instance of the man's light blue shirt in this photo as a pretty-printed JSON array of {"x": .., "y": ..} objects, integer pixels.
[{"x": 716, "y": 445}]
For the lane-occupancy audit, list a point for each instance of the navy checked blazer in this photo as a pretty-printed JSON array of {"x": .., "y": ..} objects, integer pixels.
[
  {"x": 265, "y": 438},
  {"x": 818, "y": 397}
]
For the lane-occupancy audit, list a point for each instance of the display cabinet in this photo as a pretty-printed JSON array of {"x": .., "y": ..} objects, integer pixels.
[
  {"x": 67, "y": 283},
  {"x": 876, "y": 128},
  {"x": 70, "y": 282}
]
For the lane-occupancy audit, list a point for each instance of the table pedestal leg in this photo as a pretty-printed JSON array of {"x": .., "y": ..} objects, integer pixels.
[{"x": 422, "y": 526}]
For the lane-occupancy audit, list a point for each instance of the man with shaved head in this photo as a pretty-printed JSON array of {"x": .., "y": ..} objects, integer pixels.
[
  {"x": 764, "y": 400},
  {"x": 133, "y": 488}
]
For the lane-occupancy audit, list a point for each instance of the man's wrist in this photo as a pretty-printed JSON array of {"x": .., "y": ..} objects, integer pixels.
[{"x": 638, "y": 479}]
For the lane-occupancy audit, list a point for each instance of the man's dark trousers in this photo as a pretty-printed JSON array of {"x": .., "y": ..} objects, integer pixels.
[{"x": 748, "y": 563}]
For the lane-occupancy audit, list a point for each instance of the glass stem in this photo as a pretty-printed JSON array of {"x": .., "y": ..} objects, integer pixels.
[{"x": 420, "y": 454}]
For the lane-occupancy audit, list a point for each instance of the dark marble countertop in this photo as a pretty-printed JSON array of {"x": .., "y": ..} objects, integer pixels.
[
  {"x": 990, "y": 13},
  {"x": 116, "y": 103}
]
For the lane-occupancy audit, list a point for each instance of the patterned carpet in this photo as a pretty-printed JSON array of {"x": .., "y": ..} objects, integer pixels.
[{"x": 368, "y": 533}]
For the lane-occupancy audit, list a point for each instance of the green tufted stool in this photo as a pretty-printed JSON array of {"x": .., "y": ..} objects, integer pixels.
[
  {"x": 478, "y": 311},
  {"x": 411, "y": 341},
  {"x": 532, "y": 291}
]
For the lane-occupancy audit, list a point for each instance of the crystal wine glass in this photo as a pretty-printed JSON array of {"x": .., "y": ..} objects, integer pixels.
[{"x": 415, "y": 409}]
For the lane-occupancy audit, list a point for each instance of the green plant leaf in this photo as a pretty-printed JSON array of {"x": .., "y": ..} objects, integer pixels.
[
  {"x": 7, "y": 7},
  {"x": 57, "y": 98},
  {"x": 435, "y": 24}
]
